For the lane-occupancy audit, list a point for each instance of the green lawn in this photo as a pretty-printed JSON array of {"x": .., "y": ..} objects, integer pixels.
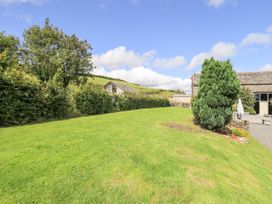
[{"x": 130, "y": 157}]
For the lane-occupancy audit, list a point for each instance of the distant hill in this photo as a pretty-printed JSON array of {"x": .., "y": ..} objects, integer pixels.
[{"x": 103, "y": 80}]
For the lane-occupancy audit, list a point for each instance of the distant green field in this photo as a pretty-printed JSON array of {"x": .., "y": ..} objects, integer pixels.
[
  {"x": 138, "y": 89},
  {"x": 142, "y": 156}
]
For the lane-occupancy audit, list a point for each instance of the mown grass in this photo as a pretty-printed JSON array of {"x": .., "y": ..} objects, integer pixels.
[{"x": 130, "y": 157}]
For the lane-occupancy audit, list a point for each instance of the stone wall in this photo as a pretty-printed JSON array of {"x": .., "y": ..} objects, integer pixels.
[
  {"x": 259, "y": 88},
  {"x": 257, "y": 82}
]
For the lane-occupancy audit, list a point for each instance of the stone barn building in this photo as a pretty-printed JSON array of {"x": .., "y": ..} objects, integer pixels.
[
  {"x": 260, "y": 84},
  {"x": 181, "y": 100},
  {"x": 118, "y": 89}
]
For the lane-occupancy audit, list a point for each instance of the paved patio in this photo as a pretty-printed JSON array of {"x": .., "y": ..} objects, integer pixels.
[{"x": 262, "y": 132}]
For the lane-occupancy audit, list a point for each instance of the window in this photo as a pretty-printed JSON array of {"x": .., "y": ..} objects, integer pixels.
[
  {"x": 257, "y": 107},
  {"x": 257, "y": 103},
  {"x": 270, "y": 105},
  {"x": 257, "y": 97},
  {"x": 263, "y": 97},
  {"x": 270, "y": 98}
]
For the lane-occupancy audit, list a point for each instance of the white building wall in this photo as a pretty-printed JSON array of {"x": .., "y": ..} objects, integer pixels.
[
  {"x": 119, "y": 91},
  {"x": 263, "y": 107},
  {"x": 109, "y": 88}
]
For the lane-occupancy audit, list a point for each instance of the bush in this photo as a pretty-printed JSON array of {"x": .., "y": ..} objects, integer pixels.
[
  {"x": 240, "y": 132},
  {"x": 250, "y": 110},
  {"x": 24, "y": 99},
  {"x": 147, "y": 102},
  {"x": 21, "y": 97},
  {"x": 248, "y": 100},
  {"x": 91, "y": 100},
  {"x": 58, "y": 101},
  {"x": 218, "y": 91}
]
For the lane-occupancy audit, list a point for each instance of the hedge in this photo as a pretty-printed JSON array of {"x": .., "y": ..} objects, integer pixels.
[
  {"x": 58, "y": 101},
  {"x": 21, "y": 98},
  {"x": 91, "y": 102},
  {"x": 24, "y": 99}
]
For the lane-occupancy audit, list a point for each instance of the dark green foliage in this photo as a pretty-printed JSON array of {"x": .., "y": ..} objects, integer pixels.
[
  {"x": 47, "y": 79},
  {"x": 130, "y": 103},
  {"x": 248, "y": 100},
  {"x": 48, "y": 51},
  {"x": 21, "y": 98},
  {"x": 24, "y": 99},
  {"x": 218, "y": 91},
  {"x": 92, "y": 101},
  {"x": 57, "y": 101},
  {"x": 8, "y": 50}
]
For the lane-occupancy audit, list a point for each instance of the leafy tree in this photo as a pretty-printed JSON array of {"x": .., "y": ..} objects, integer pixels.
[
  {"x": 218, "y": 91},
  {"x": 8, "y": 50},
  {"x": 248, "y": 99},
  {"x": 48, "y": 51}
]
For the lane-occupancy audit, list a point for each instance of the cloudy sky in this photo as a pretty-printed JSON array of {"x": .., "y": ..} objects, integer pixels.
[{"x": 156, "y": 43}]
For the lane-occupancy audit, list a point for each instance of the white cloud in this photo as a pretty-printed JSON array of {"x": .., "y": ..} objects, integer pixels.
[
  {"x": 220, "y": 50},
  {"x": 147, "y": 77},
  {"x": 267, "y": 67},
  {"x": 169, "y": 62},
  {"x": 10, "y": 2},
  {"x": 269, "y": 29},
  {"x": 120, "y": 57},
  {"x": 216, "y": 3},
  {"x": 198, "y": 60},
  {"x": 257, "y": 38},
  {"x": 10, "y": 14},
  {"x": 219, "y": 3}
]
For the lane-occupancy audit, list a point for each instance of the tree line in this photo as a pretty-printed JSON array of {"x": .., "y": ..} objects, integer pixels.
[{"x": 45, "y": 77}]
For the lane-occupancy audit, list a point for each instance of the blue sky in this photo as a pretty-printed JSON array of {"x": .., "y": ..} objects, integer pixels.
[{"x": 157, "y": 43}]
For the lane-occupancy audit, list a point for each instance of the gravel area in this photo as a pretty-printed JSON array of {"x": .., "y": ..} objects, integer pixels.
[{"x": 263, "y": 133}]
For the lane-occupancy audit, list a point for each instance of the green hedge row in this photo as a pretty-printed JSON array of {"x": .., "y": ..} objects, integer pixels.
[
  {"x": 23, "y": 99},
  {"x": 90, "y": 102}
]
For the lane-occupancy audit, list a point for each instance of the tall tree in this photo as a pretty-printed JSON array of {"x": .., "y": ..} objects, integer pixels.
[
  {"x": 48, "y": 51},
  {"x": 74, "y": 58},
  {"x": 218, "y": 91}
]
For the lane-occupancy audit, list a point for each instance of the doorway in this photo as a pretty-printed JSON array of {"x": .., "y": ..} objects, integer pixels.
[{"x": 270, "y": 104}]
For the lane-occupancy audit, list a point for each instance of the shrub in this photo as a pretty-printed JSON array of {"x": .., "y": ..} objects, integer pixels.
[
  {"x": 248, "y": 100},
  {"x": 139, "y": 102},
  {"x": 21, "y": 97},
  {"x": 218, "y": 91},
  {"x": 250, "y": 110},
  {"x": 58, "y": 101},
  {"x": 91, "y": 100},
  {"x": 240, "y": 132}
]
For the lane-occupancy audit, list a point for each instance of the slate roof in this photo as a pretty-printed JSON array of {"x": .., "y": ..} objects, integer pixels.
[
  {"x": 246, "y": 78},
  {"x": 124, "y": 88}
]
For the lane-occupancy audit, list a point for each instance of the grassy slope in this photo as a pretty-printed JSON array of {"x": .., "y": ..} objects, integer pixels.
[
  {"x": 130, "y": 157},
  {"x": 139, "y": 89}
]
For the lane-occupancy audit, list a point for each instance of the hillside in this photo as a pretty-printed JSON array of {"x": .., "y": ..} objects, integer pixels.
[
  {"x": 143, "y": 156},
  {"x": 101, "y": 80}
]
